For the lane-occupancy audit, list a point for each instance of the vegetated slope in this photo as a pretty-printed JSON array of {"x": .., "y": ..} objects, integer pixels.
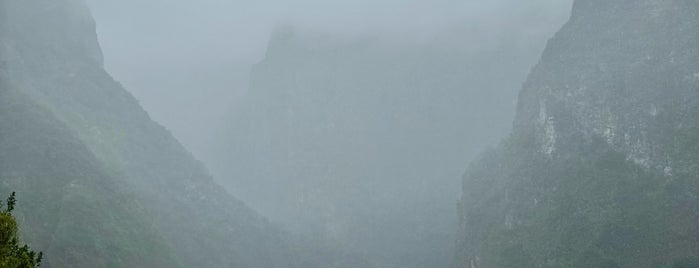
[
  {"x": 360, "y": 140},
  {"x": 125, "y": 190},
  {"x": 601, "y": 169},
  {"x": 72, "y": 207}
]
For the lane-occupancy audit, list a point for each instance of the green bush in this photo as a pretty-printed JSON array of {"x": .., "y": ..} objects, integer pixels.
[{"x": 12, "y": 255}]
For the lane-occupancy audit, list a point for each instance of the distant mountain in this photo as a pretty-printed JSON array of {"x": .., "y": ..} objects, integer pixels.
[
  {"x": 102, "y": 185},
  {"x": 601, "y": 168},
  {"x": 362, "y": 140}
]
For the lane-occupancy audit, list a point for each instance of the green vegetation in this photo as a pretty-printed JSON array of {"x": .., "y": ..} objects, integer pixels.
[
  {"x": 12, "y": 255},
  {"x": 592, "y": 209},
  {"x": 601, "y": 167},
  {"x": 81, "y": 212}
]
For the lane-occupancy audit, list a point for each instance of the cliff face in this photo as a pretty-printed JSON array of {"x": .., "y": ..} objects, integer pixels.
[
  {"x": 601, "y": 167},
  {"x": 105, "y": 185},
  {"x": 360, "y": 140}
]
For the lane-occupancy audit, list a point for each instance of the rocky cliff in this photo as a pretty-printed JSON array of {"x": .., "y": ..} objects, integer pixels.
[{"x": 601, "y": 167}]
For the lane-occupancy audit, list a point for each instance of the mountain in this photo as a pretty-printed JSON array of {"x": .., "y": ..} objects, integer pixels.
[
  {"x": 361, "y": 139},
  {"x": 600, "y": 169},
  {"x": 69, "y": 200},
  {"x": 102, "y": 185}
]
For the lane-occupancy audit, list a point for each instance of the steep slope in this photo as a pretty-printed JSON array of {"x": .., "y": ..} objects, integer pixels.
[
  {"x": 360, "y": 140},
  {"x": 50, "y": 53},
  {"x": 601, "y": 167},
  {"x": 69, "y": 202}
]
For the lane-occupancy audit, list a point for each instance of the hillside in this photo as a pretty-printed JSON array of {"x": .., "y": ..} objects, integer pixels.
[
  {"x": 70, "y": 202},
  {"x": 101, "y": 184},
  {"x": 600, "y": 169}
]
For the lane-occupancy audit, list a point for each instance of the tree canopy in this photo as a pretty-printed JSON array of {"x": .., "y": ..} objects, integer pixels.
[{"x": 12, "y": 255}]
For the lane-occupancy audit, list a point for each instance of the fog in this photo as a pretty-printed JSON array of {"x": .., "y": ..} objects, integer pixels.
[
  {"x": 380, "y": 173},
  {"x": 187, "y": 61},
  {"x": 345, "y": 134}
]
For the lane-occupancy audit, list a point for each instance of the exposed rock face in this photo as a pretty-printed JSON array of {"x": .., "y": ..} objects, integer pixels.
[
  {"x": 613, "y": 72},
  {"x": 601, "y": 168},
  {"x": 105, "y": 185}
]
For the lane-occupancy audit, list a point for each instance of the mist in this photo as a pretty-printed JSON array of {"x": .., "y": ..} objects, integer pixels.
[
  {"x": 384, "y": 187},
  {"x": 345, "y": 134},
  {"x": 187, "y": 62}
]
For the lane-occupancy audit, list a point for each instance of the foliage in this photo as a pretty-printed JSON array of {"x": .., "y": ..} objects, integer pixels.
[{"x": 12, "y": 255}]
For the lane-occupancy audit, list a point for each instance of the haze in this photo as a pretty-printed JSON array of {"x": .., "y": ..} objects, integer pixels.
[
  {"x": 187, "y": 61},
  {"x": 190, "y": 64},
  {"x": 346, "y": 134}
]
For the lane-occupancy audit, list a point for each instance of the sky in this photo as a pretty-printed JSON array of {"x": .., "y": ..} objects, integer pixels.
[{"x": 188, "y": 61}]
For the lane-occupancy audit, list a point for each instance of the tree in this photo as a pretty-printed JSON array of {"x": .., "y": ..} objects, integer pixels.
[{"x": 12, "y": 255}]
